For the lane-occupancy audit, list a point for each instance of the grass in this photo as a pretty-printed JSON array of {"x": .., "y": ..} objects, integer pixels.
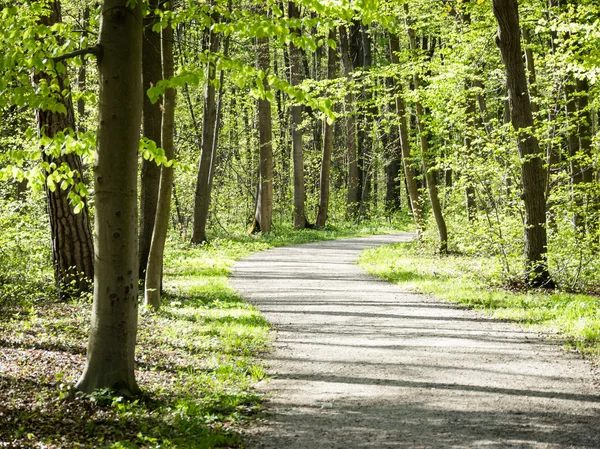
[
  {"x": 197, "y": 359},
  {"x": 469, "y": 281}
]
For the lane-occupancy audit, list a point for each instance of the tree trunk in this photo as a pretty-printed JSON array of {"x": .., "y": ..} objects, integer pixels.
[
  {"x": 264, "y": 197},
  {"x": 218, "y": 124},
  {"x": 579, "y": 143},
  {"x": 71, "y": 234},
  {"x": 436, "y": 207},
  {"x": 111, "y": 348},
  {"x": 327, "y": 145},
  {"x": 574, "y": 151},
  {"x": 154, "y": 271},
  {"x": 82, "y": 72},
  {"x": 409, "y": 173},
  {"x": 202, "y": 197},
  {"x": 470, "y": 112},
  {"x": 509, "y": 42},
  {"x": 585, "y": 146},
  {"x": 296, "y": 122},
  {"x": 151, "y": 119},
  {"x": 363, "y": 44},
  {"x": 352, "y": 198},
  {"x": 393, "y": 153},
  {"x": 530, "y": 64}
]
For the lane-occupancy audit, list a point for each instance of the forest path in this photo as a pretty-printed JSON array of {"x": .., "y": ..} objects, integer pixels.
[{"x": 361, "y": 363}]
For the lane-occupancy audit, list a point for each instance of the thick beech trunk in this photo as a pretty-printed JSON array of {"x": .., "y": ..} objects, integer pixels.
[
  {"x": 111, "y": 348},
  {"x": 151, "y": 119},
  {"x": 264, "y": 197},
  {"x": 352, "y": 198},
  {"x": 521, "y": 116},
  {"x": 72, "y": 242},
  {"x": 203, "y": 181},
  {"x": 409, "y": 172},
  {"x": 154, "y": 270},
  {"x": 296, "y": 131},
  {"x": 327, "y": 145}
]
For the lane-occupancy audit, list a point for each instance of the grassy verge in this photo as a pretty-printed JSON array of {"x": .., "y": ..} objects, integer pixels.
[
  {"x": 467, "y": 281},
  {"x": 196, "y": 359}
]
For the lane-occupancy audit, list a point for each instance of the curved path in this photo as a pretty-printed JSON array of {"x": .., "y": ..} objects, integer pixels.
[{"x": 360, "y": 363}]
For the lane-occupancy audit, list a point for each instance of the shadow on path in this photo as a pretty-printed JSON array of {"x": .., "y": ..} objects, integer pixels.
[{"x": 360, "y": 363}]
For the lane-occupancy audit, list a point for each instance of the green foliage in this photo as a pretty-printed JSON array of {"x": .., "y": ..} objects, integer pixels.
[{"x": 25, "y": 254}]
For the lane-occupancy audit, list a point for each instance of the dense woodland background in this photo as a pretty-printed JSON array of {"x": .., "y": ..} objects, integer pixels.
[
  {"x": 137, "y": 135},
  {"x": 478, "y": 120}
]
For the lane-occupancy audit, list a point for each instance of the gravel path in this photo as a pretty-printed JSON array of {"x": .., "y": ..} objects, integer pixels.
[{"x": 360, "y": 363}]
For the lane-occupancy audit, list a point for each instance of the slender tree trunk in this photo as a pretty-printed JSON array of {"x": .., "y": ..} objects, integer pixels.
[
  {"x": 264, "y": 196},
  {"x": 585, "y": 145},
  {"x": 151, "y": 119},
  {"x": 154, "y": 270},
  {"x": 365, "y": 142},
  {"x": 509, "y": 42},
  {"x": 285, "y": 152},
  {"x": 585, "y": 130},
  {"x": 71, "y": 234},
  {"x": 436, "y": 207},
  {"x": 352, "y": 198},
  {"x": 327, "y": 145},
  {"x": 409, "y": 173},
  {"x": 530, "y": 65},
  {"x": 218, "y": 124},
  {"x": 111, "y": 347},
  {"x": 82, "y": 72},
  {"x": 574, "y": 151},
  {"x": 202, "y": 197},
  {"x": 580, "y": 144},
  {"x": 483, "y": 110},
  {"x": 470, "y": 204},
  {"x": 393, "y": 153},
  {"x": 296, "y": 121}
]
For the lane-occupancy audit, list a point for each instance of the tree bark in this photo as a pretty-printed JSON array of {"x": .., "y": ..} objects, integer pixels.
[
  {"x": 580, "y": 144},
  {"x": 202, "y": 196},
  {"x": 393, "y": 153},
  {"x": 111, "y": 347},
  {"x": 327, "y": 145},
  {"x": 82, "y": 72},
  {"x": 521, "y": 116},
  {"x": 436, "y": 207},
  {"x": 470, "y": 203},
  {"x": 154, "y": 270},
  {"x": 71, "y": 234},
  {"x": 151, "y": 119},
  {"x": 296, "y": 122},
  {"x": 264, "y": 197},
  {"x": 352, "y": 198},
  {"x": 409, "y": 173}
]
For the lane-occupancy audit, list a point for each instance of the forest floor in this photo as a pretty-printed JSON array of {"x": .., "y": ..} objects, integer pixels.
[{"x": 362, "y": 363}]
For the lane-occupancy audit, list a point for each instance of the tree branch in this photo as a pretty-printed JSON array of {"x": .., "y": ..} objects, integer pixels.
[{"x": 95, "y": 50}]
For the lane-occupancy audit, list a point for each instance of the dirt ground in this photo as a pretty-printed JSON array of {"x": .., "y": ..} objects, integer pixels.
[{"x": 360, "y": 363}]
